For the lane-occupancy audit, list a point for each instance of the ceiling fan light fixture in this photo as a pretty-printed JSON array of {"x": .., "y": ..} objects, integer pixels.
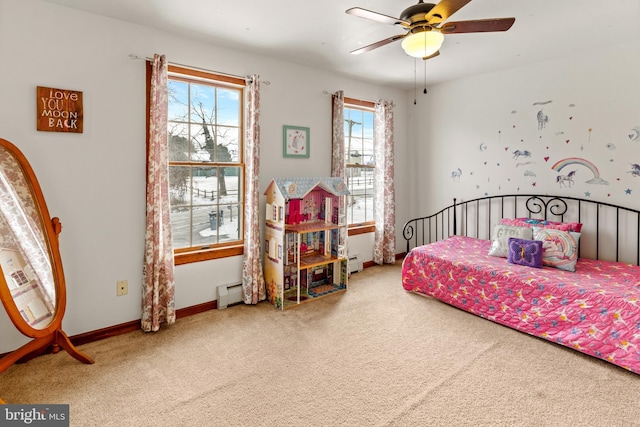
[{"x": 422, "y": 44}]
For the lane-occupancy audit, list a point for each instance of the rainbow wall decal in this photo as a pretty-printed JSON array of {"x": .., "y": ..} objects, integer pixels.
[{"x": 560, "y": 164}]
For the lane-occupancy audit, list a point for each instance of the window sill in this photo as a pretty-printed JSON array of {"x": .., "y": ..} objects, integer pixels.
[
  {"x": 208, "y": 254},
  {"x": 354, "y": 230}
]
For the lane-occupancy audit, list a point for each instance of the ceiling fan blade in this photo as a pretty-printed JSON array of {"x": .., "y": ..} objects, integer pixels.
[
  {"x": 477, "y": 26},
  {"x": 375, "y": 16},
  {"x": 377, "y": 44},
  {"x": 433, "y": 55},
  {"x": 443, "y": 10}
]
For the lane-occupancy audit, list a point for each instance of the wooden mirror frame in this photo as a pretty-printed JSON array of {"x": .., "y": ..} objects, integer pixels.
[{"x": 52, "y": 336}]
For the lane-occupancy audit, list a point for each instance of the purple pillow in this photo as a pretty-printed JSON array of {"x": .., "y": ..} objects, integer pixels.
[{"x": 525, "y": 252}]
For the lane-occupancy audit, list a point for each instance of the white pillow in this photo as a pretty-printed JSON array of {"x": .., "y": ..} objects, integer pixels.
[
  {"x": 500, "y": 238},
  {"x": 559, "y": 248}
]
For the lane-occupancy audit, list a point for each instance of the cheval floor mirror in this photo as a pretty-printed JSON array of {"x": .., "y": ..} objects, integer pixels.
[{"x": 32, "y": 285}]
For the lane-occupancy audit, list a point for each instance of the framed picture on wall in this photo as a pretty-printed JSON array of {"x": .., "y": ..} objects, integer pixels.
[{"x": 295, "y": 141}]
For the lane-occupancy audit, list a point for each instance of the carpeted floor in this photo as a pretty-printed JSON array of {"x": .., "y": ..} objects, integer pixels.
[{"x": 373, "y": 356}]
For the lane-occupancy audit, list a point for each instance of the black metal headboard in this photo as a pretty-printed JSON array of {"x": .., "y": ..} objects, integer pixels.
[{"x": 609, "y": 231}]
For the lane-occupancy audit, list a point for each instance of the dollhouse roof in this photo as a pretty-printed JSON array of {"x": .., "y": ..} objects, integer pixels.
[{"x": 297, "y": 188}]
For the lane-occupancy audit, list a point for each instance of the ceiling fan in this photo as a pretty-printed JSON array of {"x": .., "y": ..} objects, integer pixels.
[{"x": 425, "y": 25}]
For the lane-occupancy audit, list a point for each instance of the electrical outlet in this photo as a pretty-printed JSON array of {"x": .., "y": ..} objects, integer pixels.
[{"x": 122, "y": 287}]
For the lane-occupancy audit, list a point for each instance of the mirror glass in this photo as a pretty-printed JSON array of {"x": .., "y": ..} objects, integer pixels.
[{"x": 25, "y": 260}]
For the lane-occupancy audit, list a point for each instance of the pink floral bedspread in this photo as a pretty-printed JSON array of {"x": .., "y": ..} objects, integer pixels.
[{"x": 595, "y": 310}]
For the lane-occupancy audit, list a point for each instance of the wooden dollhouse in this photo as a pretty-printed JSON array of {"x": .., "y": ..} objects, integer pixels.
[{"x": 305, "y": 239}]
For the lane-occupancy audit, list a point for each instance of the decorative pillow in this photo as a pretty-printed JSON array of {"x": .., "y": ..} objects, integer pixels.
[
  {"x": 525, "y": 252},
  {"x": 500, "y": 238},
  {"x": 559, "y": 248},
  {"x": 534, "y": 222}
]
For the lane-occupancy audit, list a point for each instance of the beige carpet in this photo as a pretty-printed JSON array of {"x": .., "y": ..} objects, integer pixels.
[{"x": 373, "y": 356}]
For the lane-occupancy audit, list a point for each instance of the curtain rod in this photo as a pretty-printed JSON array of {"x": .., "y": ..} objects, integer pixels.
[
  {"x": 134, "y": 56},
  {"x": 326, "y": 92}
]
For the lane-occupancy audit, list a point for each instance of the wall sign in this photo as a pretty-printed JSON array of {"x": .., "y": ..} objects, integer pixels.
[{"x": 59, "y": 110}]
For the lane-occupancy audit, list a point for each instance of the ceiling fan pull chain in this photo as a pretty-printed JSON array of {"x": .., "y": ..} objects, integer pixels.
[
  {"x": 415, "y": 80},
  {"x": 425, "y": 76}
]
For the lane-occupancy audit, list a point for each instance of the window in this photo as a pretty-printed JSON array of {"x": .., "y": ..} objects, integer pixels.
[
  {"x": 360, "y": 161},
  {"x": 206, "y": 170}
]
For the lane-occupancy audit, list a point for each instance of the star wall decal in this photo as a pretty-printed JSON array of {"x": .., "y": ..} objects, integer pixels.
[
  {"x": 627, "y": 191},
  {"x": 587, "y": 194}
]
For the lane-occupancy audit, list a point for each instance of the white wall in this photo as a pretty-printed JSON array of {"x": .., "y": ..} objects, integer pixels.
[
  {"x": 95, "y": 181},
  {"x": 593, "y": 105}
]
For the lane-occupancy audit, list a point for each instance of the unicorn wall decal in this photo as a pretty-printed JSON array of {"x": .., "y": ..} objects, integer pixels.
[
  {"x": 566, "y": 180},
  {"x": 521, "y": 153},
  {"x": 543, "y": 119}
]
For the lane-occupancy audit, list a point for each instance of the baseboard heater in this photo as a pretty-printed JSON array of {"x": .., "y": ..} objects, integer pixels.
[
  {"x": 227, "y": 295},
  {"x": 355, "y": 263}
]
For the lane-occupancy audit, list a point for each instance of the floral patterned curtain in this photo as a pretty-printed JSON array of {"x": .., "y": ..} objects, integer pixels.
[
  {"x": 338, "y": 157},
  {"x": 384, "y": 248},
  {"x": 253, "y": 286},
  {"x": 158, "y": 291}
]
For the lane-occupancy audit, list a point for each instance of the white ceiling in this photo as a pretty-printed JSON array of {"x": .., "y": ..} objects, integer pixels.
[{"x": 319, "y": 33}]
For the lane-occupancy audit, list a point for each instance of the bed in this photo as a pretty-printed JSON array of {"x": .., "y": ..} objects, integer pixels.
[{"x": 591, "y": 305}]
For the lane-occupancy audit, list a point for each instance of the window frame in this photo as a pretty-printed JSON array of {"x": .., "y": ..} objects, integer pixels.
[
  {"x": 181, "y": 73},
  {"x": 367, "y": 226}
]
